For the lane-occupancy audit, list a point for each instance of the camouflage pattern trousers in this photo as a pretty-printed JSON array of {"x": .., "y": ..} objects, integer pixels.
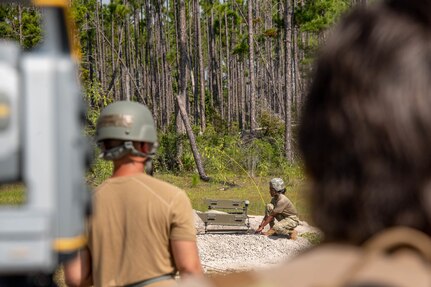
[{"x": 285, "y": 225}]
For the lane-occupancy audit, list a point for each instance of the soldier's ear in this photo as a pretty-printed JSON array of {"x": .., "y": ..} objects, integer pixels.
[
  {"x": 139, "y": 146},
  {"x": 146, "y": 147}
]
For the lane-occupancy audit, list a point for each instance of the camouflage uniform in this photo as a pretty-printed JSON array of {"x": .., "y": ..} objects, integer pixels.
[
  {"x": 286, "y": 223},
  {"x": 286, "y": 213}
]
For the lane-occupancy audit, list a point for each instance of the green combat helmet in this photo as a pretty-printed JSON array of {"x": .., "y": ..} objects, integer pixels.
[
  {"x": 277, "y": 184},
  {"x": 129, "y": 122}
]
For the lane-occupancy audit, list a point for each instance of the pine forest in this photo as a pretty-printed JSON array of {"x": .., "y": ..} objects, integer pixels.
[{"x": 224, "y": 79}]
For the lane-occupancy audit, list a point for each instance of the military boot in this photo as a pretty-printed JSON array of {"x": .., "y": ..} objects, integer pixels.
[
  {"x": 293, "y": 235},
  {"x": 269, "y": 232}
]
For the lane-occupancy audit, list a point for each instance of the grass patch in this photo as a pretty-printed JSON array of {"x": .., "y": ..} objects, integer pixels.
[
  {"x": 256, "y": 190},
  {"x": 12, "y": 194},
  {"x": 241, "y": 187},
  {"x": 313, "y": 237}
]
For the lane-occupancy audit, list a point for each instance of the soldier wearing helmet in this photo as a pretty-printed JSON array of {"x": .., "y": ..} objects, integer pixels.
[
  {"x": 280, "y": 209},
  {"x": 142, "y": 230}
]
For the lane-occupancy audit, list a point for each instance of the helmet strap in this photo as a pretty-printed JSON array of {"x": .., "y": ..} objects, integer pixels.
[
  {"x": 149, "y": 166},
  {"x": 124, "y": 149}
]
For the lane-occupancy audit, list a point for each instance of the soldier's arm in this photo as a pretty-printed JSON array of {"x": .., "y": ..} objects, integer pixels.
[
  {"x": 77, "y": 271},
  {"x": 263, "y": 220},
  {"x": 267, "y": 219},
  {"x": 186, "y": 257}
]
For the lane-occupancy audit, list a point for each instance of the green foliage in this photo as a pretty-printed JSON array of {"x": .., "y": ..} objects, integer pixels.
[
  {"x": 30, "y": 25},
  {"x": 278, "y": 21},
  {"x": 165, "y": 158},
  {"x": 6, "y": 30},
  {"x": 226, "y": 151},
  {"x": 188, "y": 160},
  {"x": 195, "y": 180},
  {"x": 315, "y": 17},
  {"x": 318, "y": 15},
  {"x": 101, "y": 170},
  {"x": 216, "y": 27},
  {"x": 31, "y": 28},
  {"x": 273, "y": 124},
  {"x": 271, "y": 33},
  {"x": 241, "y": 48},
  {"x": 233, "y": 15},
  {"x": 80, "y": 10},
  {"x": 119, "y": 9}
]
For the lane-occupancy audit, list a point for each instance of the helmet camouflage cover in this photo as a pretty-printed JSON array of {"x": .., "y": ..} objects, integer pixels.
[
  {"x": 277, "y": 184},
  {"x": 128, "y": 121}
]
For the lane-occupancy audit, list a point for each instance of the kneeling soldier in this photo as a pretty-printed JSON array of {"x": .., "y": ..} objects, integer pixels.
[{"x": 281, "y": 209}]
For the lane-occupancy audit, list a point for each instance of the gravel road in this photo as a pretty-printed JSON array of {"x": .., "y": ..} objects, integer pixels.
[{"x": 238, "y": 252}]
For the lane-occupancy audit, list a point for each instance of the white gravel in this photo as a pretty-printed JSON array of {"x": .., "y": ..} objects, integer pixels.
[{"x": 238, "y": 252}]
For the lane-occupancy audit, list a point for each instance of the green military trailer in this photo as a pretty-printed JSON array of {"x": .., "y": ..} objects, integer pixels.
[{"x": 226, "y": 216}]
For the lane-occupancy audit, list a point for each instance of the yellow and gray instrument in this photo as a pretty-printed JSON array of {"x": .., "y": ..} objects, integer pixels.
[{"x": 41, "y": 133}]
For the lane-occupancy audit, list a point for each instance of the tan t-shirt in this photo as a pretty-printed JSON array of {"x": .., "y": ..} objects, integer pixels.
[
  {"x": 283, "y": 207},
  {"x": 134, "y": 218}
]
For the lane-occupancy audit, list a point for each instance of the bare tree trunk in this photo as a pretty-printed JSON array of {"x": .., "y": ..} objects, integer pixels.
[
  {"x": 233, "y": 102},
  {"x": 287, "y": 83},
  {"x": 253, "y": 122},
  {"x": 279, "y": 68},
  {"x": 170, "y": 101},
  {"x": 21, "y": 37},
  {"x": 297, "y": 77},
  {"x": 137, "y": 58},
  {"x": 228, "y": 75},
  {"x": 242, "y": 96},
  {"x": 149, "y": 53},
  {"x": 195, "y": 78},
  {"x": 103, "y": 54},
  {"x": 114, "y": 69},
  {"x": 127, "y": 79},
  {"x": 213, "y": 60},
  {"x": 182, "y": 84},
  {"x": 179, "y": 123},
  {"x": 89, "y": 45},
  {"x": 233, "y": 63},
  {"x": 200, "y": 61},
  {"x": 166, "y": 78},
  {"x": 99, "y": 47},
  {"x": 220, "y": 72}
]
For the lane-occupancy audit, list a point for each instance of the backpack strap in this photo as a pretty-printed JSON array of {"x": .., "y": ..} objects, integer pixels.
[
  {"x": 400, "y": 237},
  {"x": 384, "y": 244}
]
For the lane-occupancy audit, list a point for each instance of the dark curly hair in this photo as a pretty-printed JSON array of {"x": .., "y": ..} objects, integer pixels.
[{"x": 365, "y": 134}]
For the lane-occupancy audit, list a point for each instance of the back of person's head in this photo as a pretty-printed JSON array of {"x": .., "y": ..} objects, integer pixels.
[
  {"x": 365, "y": 134},
  {"x": 121, "y": 125}
]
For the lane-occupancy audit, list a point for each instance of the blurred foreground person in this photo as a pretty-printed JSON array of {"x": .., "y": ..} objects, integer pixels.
[
  {"x": 365, "y": 138},
  {"x": 142, "y": 229},
  {"x": 281, "y": 209}
]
